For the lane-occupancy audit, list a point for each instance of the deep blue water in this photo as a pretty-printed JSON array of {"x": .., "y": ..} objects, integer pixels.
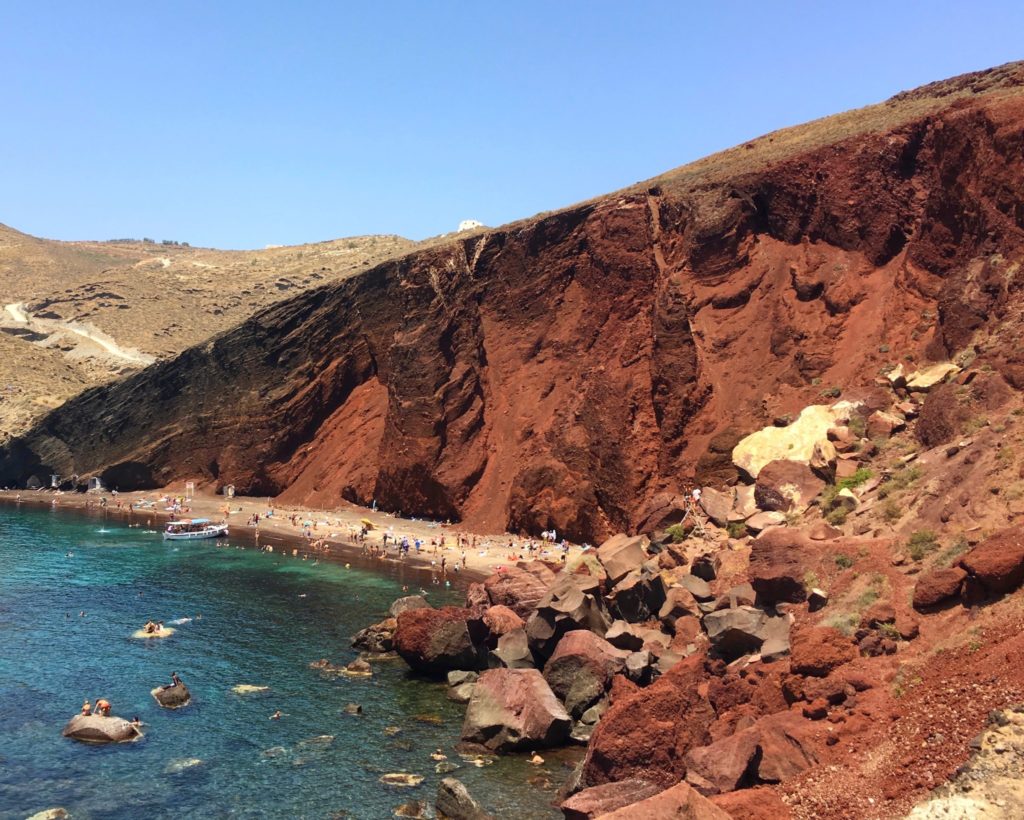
[{"x": 264, "y": 618}]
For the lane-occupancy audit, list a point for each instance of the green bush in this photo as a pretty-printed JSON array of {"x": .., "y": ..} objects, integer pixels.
[
  {"x": 736, "y": 529},
  {"x": 921, "y": 543},
  {"x": 675, "y": 533},
  {"x": 844, "y": 561},
  {"x": 836, "y": 516},
  {"x": 891, "y": 511}
]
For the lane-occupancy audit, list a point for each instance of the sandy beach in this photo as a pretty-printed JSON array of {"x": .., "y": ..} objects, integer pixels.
[{"x": 331, "y": 534}]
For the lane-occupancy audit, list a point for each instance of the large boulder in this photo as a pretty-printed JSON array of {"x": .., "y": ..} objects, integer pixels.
[
  {"x": 408, "y": 602},
  {"x": 517, "y": 589},
  {"x": 621, "y": 554},
  {"x": 436, "y": 640},
  {"x": 377, "y": 638},
  {"x": 784, "y": 486},
  {"x": 795, "y": 442},
  {"x": 172, "y": 697},
  {"x": 581, "y": 669},
  {"x": 743, "y": 630},
  {"x": 639, "y": 596},
  {"x": 923, "y": 380},
  {"x": 100, "y": 729},
  {"x": 680, "y": 802},
  {"x": 779, "y": 561},
  {"x": 647, "y": 733},
  {"x": 775, "y": 748},
  {"x": 514, "y": 709},
  {"x": 717, "y": 505},
  {"x": 512, "y": 651},
  {"x": 454, "y": 802},
  {"x": 598, "y": 801},
  {"x": 679, "y": 602},
  {"x": 565, "y": 608},
  {"x": 938, "y": 586},
  {"x": 997, "y": 563},
  {"x": 725, "y": 765},
  {"x": 817, "y": 650},
  {"x": 500, "y": 620}
]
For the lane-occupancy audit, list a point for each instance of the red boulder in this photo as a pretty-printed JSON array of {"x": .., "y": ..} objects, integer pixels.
[
  {"x": 436, "y": 640},
  {"x": 646, "y": 735},
  {"x": 779, "y": 560},
  {"x": 514, "y": 709},
  {"x": 997, "y": 563},
  {"x": 679, "y": 802},
  {"x": 599, "y": 801},
  {"x": 939, "y": 585},
  {"x": 818, "y": 650},
  {"x": 581, "y": 669},
  {"x": 517, "y": 589}
]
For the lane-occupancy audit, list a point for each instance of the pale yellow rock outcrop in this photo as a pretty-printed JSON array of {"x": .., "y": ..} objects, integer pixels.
[
  {"x": 797, "y": 442},
  {"x": 925, "y": 379}
]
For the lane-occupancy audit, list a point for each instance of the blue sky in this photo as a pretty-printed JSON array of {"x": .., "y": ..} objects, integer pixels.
[{"x": 241, "y": 124}]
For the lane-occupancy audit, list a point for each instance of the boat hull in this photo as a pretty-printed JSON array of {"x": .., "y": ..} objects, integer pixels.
[{"x": 208, "y": 532}]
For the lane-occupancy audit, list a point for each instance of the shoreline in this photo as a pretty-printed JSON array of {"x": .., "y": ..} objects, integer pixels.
[{"x": 331, "y": 528}]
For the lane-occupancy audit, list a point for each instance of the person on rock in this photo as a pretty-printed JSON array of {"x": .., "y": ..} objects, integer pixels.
[
  {"x": 103, "y": 707},
  {"x": 175, "y": 680},
  {"x": 86, "y": 708}
]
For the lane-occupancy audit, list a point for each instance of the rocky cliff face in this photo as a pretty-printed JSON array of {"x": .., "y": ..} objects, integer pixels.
[{"x": 577, "y": 369}]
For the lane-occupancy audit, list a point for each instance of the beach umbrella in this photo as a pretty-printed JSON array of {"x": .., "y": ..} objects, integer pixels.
[{"x": 366, "y": 522}]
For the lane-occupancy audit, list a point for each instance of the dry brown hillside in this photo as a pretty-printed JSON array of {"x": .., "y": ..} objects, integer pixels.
[{"x": 78, "y": 314}]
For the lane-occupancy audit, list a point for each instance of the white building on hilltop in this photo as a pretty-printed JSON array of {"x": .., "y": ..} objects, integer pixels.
[{"x": 469, "y": 225}]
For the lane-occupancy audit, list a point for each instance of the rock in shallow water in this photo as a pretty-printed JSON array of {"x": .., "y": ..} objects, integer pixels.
[
  {"x": 454, "y": 802},
  {"x": 100, "y": 729},
  {"x": 172, "y": 697},
  {"x": 514, "y": 709}
]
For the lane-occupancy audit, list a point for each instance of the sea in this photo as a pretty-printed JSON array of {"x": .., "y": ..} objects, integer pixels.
[{"x": 73, "y": 589}]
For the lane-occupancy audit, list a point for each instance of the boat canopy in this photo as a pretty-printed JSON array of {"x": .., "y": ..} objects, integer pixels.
[{"x": 188, "y": 521}]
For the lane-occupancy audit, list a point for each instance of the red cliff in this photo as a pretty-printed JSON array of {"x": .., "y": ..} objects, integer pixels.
[{"x": 571, "y": 369}]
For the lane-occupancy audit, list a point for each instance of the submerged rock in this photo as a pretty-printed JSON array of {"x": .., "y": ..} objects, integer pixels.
[
  {"x": 249, "y": 689},
  {"x": 401, "y": 779}
]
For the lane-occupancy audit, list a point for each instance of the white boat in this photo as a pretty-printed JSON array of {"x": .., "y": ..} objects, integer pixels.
[{"x": 192, "y": 529}]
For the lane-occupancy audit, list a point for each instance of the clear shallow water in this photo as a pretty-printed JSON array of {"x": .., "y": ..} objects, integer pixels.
[{"x": 256, "y": 628}]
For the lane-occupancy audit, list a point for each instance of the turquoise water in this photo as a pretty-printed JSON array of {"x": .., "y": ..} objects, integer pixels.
[{"x": 264, "y": 618}]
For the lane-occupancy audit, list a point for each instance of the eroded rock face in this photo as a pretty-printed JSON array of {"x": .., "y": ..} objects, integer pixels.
[
  {"x": 719, "y": 290},
  {"x": 514, "y": 709},
  {"x": 647, "y": 734},
  {"x": 436, "y": 640}
]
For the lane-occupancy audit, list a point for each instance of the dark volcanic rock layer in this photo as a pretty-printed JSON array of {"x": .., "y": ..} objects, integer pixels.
[{"x": 566, "y": 370}]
